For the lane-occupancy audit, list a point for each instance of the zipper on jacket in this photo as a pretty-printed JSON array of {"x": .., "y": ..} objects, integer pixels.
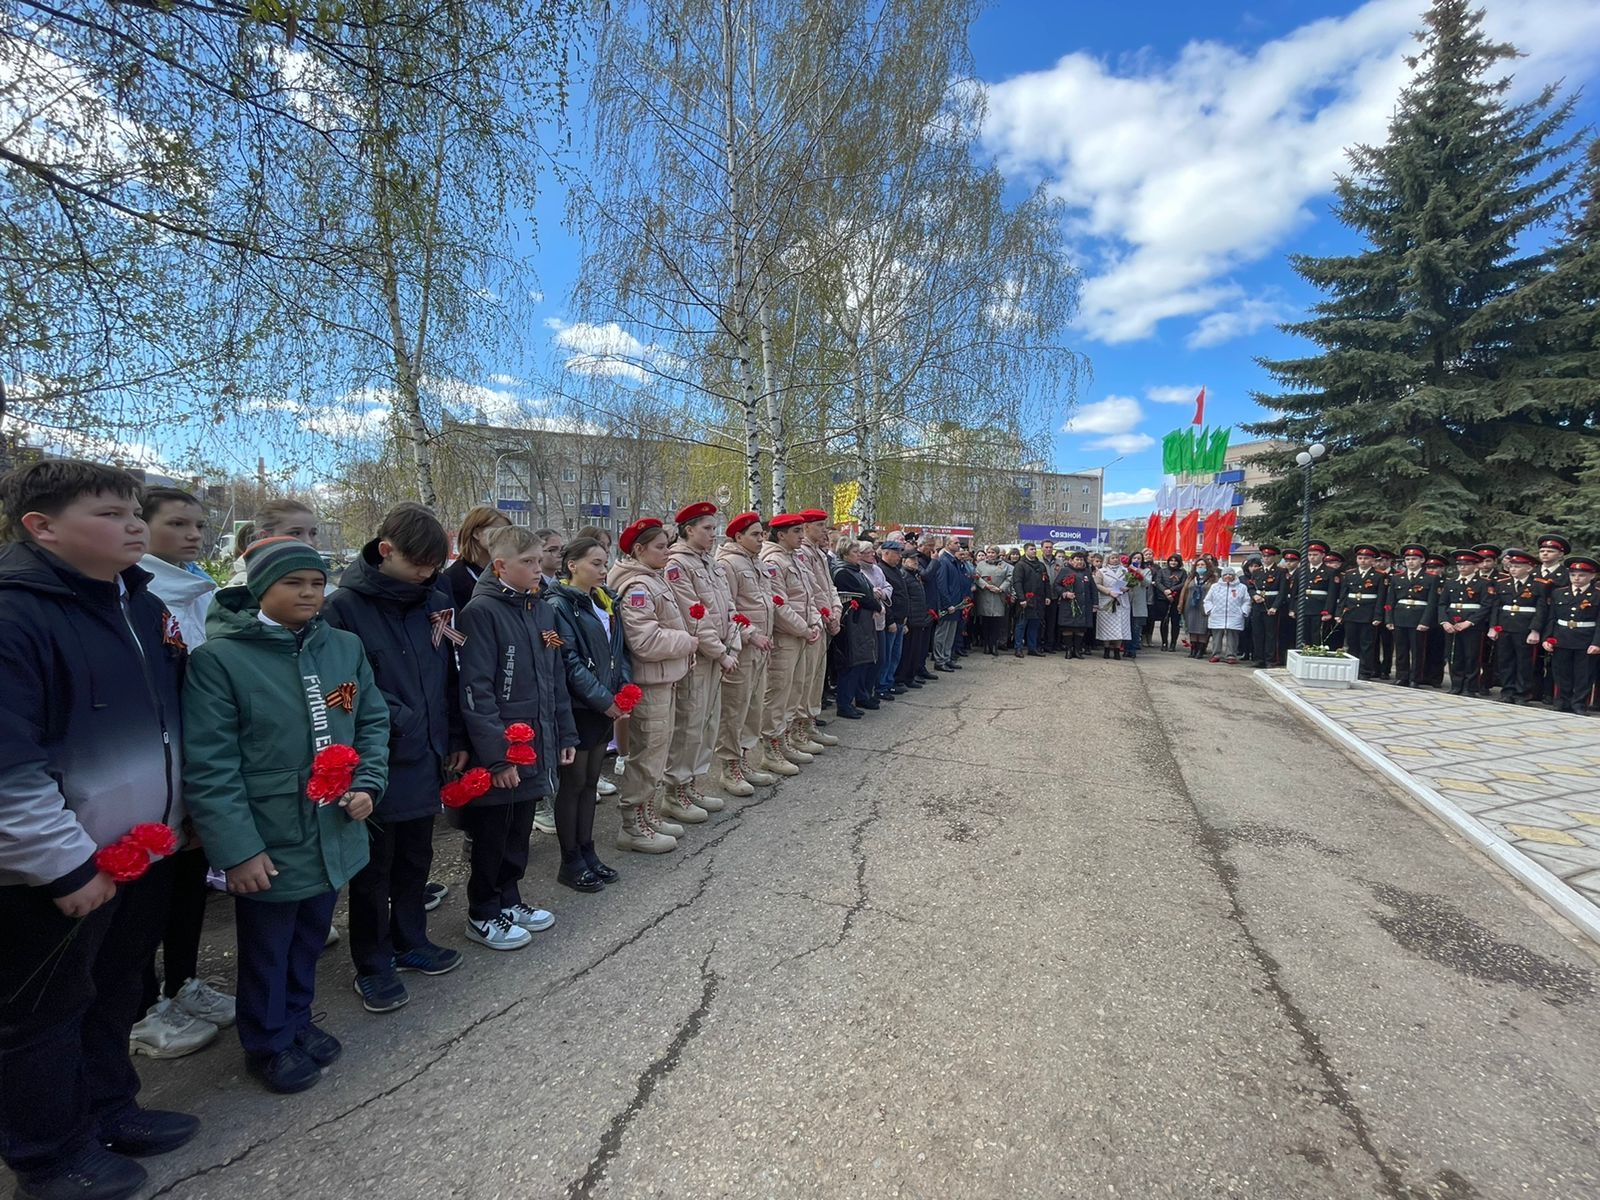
[{"x": 155, "y": 699}]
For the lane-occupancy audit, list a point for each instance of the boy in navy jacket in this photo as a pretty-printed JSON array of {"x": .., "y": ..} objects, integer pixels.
[{"x": 89, "y": 733}]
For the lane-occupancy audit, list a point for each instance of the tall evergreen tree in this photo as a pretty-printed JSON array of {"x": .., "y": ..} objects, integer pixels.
[{"x": 1422, "y": 330}]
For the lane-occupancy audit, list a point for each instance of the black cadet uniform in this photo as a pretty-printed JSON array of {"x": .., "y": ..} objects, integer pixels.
[
  {"x": 1384, "y": 658},
  {"x": 1412, "y": 609},
  {"x": 1467, "y": 600},
  {"x": 1269, "y": 600},
  {"x": 1572, "y": 625},
  {"x": 1553, "y": 576},
  {"x": 1361, "y": 611},
  {"x": 1319, "y": 595},
  {"x": 1518, "y": 613},
  {"x": 1438, "y": 643}
]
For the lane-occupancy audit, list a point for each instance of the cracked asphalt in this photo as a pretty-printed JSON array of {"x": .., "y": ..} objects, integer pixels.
[{"x": 1041, "y": 929}]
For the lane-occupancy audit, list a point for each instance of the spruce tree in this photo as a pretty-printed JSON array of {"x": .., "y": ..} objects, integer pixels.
[{"x": 1419, "y": 330}]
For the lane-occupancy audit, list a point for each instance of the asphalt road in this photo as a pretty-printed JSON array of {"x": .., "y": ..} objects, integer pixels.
[{"x": 1042, "y": 929}]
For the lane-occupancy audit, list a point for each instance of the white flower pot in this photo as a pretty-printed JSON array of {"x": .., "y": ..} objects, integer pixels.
[{"x": 1339, "y": 671}]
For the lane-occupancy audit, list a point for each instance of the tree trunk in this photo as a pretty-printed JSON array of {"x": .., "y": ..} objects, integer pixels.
[{"x": 775, "y": 430}]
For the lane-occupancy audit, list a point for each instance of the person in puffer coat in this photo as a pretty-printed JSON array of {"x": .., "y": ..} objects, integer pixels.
[
  {"x": 273, "y": 688},
  {"x": 518, "y": 718},
  {"x": 391, "y": 599},
  {"x": 1227, "y": 604}
]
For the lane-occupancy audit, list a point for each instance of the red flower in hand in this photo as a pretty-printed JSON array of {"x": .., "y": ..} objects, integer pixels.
[
  {"x": 458, "y": 793},
  {"x": 521, "y": 754},
  {"x": 778, "y": 600},
  {"x": 1550, "y": 643},
  {"x": 627, "y": 697},
  {"x": 826, "y": 613},
  {"x": 336, "y": 758},
  {"x": 325, "y": 787},
  {"x": 124, "y": 861},
  {"x": 697, "y": 611},
  {"x": 742, "y": 620},
  {"x": 855, "y": 605},
  {"x": 1326, "y": 615},
  {"x": 1499, "y": 629},
  {"x": 1028, "y": 596},
  {"x": 933, "y": 614},
  {"x": 155, "y": 838},
  {"x": 519, "y": 731}
]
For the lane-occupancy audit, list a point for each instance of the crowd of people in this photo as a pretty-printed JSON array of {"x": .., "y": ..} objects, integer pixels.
[{"x": 298, "y": 733}]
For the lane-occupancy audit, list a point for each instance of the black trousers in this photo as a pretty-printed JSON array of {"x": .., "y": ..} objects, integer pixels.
[
  {"x": 279, "y": 944},
  {"x": 914, "y": 654},
  {"x": 499, "y": 834},
  {"x": 387, "y": 895},
  {"x": 1385, "y": 650},
  {"x": 1514, "y": 663},
  {"x": 180, "y": 941},
  {"x": 576, "y": 799},
  {"x": 1466, "y": 649},
  {"x": 1436, "y": 653},
  {"x": 69, "y": 993},
  {"x": 1410, "y": 647},
  {"x": 1264, "y": 635},
  {"x": 1361, "y": 640},
  {"x": 1573, "y": 672}
]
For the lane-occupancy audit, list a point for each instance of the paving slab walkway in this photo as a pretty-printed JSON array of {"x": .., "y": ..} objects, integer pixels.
[{"x": 1526, "y": 778}]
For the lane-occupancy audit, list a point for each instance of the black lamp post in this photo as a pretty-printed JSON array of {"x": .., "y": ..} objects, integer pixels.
[{"x": 1305, "y": 459}]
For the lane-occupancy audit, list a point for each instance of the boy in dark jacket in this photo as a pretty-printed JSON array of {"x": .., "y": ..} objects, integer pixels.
[
  {"x": 390, "y": 598},
  {"x": 89, "y": 733},
  {"x": 518, "y": 717}
]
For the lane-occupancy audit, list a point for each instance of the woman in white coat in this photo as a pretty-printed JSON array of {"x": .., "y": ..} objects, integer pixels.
[{"x": 1227, "y": 605}]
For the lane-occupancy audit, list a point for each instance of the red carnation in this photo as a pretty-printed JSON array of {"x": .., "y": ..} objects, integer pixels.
[
  {"x": 521, "y": 754},
  {"x": 1326, "y": 615},
  {"x": 336, "y": 758},
  {"x": 154, "y": 838},
  {"x": 933, "y": 614},
  {"x": 1499, "y": 629},
  {"x": 778, "y": 600},
  {"x": 519, "y": 731},
  {"x": 855, "y": 605},
  {"x": 825, "y": 612},
  {"x": 628, "y": 697},
  {"x": 325, "y": 787},
  {"x": 124, "y": 861},
  {"x": 697, "y": 611},
  {"x": 741, "y": 619},
  {"x": 1550, "y": 643},
  {"x": 1027, "y": 596},
  {"x": 460, "y": 792}
]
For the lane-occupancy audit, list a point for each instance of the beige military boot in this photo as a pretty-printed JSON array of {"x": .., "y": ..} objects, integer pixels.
[
  {"x": 636, "y": 834},
  {"x": 730, "y": 778},
  {"x": 753, "y": 774},
  {"x": 794, "y": 744},
  {"x": 819, "y": 735},
  {"x": 677, "y": 804},
  {"x": 653, "y": 818},
  {"x": 800, "y": 737},
  {"x": 707, "y": 801},
  {"x": 775, "y": 758}
]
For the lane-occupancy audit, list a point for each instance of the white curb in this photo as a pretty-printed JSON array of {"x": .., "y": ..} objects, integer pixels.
[{"x": 1549, "y": 888}]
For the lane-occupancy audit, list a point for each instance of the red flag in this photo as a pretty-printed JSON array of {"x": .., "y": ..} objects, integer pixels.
[
  {"x": 1199, "y": 407},
  {"x": 1225, "y": 535},
  {"x": 1188, "y": 531},
  {"x": 1152, "y": 530},
  {"x": 1169, "y": 535}
]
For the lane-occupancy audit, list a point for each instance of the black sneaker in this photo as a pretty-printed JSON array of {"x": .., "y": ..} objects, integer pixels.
[
  {"x": 381, "y": 993},
  {"x": 286, "y": 1072},
  {"x": 321, "y": 1047},
  {"x": 429, "y": 960},
  {"x": 139, "y": 1132},
  {"x": 91, "y": 1173},
  {"x": 435, "y": 893}
]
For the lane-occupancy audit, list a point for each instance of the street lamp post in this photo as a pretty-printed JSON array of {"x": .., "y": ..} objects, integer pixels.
[{"x": 1306, "y": 458}]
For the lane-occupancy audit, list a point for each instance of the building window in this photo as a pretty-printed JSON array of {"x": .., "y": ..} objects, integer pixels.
[
  {"x": 567, "y": 500},
  {"x": 569, "y": 475},
  {"x": 1086, "y": 491},
  {"x": 1086, "y": 508},
  {"x": 519, "y": 517}
]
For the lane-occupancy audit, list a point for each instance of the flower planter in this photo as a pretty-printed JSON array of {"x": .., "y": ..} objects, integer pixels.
[{"x": 1338, "y": 671}]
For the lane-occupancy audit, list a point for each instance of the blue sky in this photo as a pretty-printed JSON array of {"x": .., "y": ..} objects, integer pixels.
[{"x": 1196, "y": 146}]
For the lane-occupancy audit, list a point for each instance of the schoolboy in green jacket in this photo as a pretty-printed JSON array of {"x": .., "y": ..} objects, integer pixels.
[{"x": 271, "y": 688}]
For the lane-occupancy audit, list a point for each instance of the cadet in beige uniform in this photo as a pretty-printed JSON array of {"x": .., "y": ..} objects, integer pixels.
[
  {"x": 704, "y": 599},
  {"x": 791, "y": 635},
  {"x": 744, "y": 690},
  {"x": 661, "y": 650},
  {"x": 824, "y": 616}
]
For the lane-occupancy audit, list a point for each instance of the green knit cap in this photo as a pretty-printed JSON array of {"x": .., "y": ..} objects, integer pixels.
[{"x": 270, "y": 559}]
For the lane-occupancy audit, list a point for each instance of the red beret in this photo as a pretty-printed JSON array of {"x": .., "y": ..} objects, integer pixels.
[
  {"x": 630, "y": 535},
  {"x": 808, "y": 515},
  {"x": 786, "y": 521},
  {"x": 695, "y": 511},
  {"x": 742, "y": 522}
]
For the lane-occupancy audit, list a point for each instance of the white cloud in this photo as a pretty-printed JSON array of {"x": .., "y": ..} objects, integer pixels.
[
  {"x": 1247, "y": 317},
  {"x": 1130, "y": 499},
  {"x": 1124, "y": 443},
  {"x": 536, "y": 296},
  {"x": 1180, "y": 393},
  {"x": 505, "y": 380},
  {"x": 607, "y": 349},
  {"x": 1178, "y": 173},
  {"x": 1114, "y": 414}
]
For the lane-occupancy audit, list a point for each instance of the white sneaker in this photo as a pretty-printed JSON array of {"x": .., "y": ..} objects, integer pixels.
[
  {"x": 605, "y": 787},
  {"x": 168, "y": 1032},
  {"x": 544, "y": 816},
  {"x": 531, "y": 919},
  {"x": 620, "y": 765},
  {"x": 202, "y": 1001},
  {"x": 498, "y": 933}
]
